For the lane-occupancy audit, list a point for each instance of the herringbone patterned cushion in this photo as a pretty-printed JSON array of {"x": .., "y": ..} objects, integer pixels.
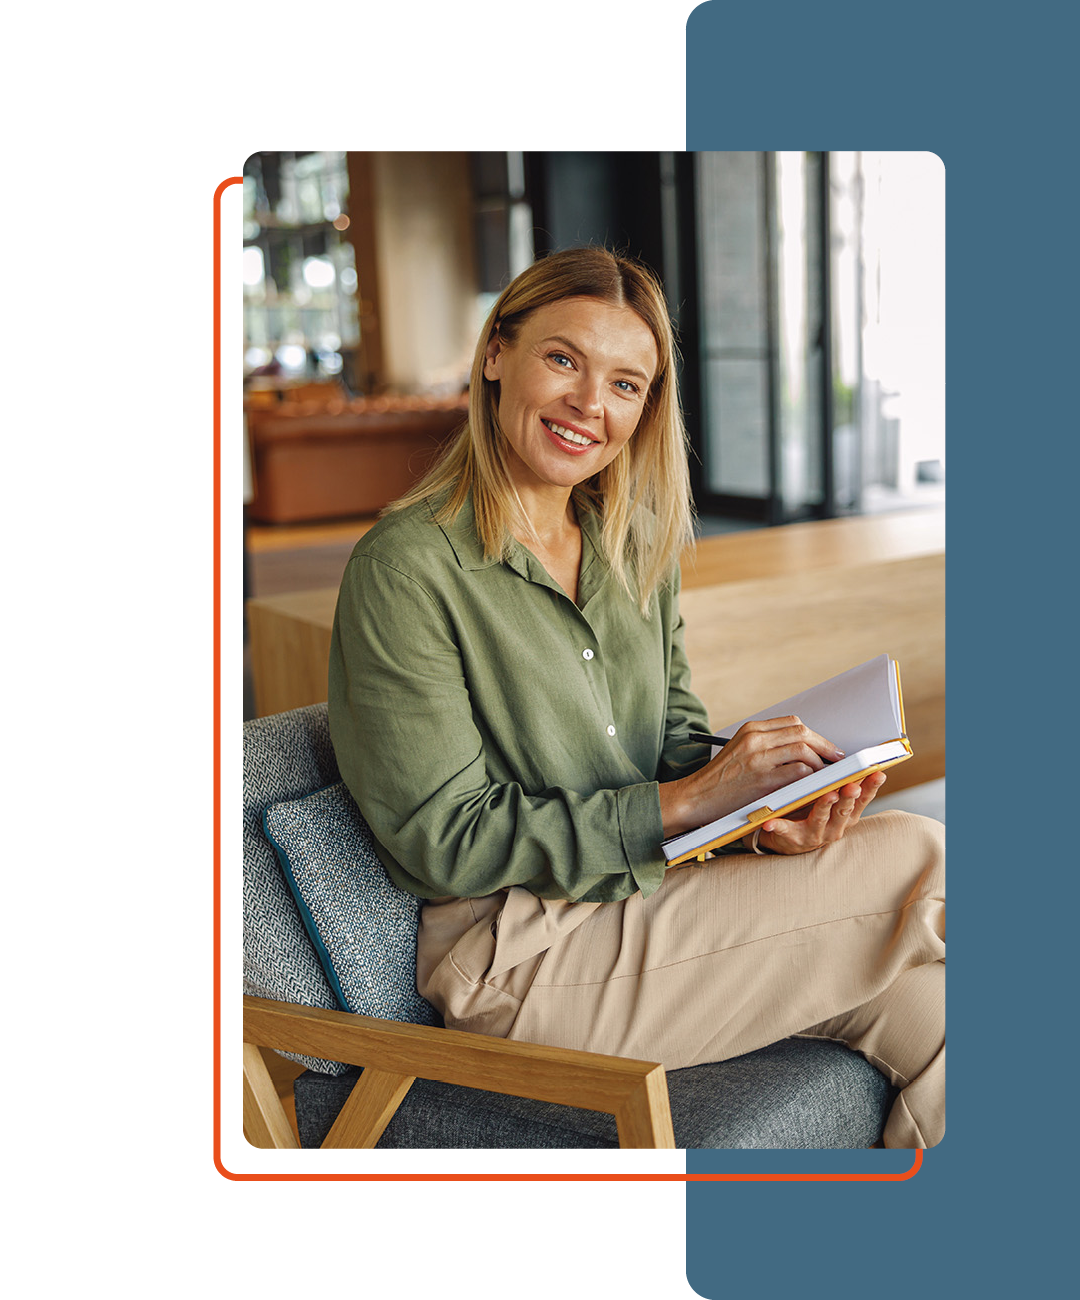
[
  {"x": 285, "y": 756},
  {"x": 362, "y": 925}
]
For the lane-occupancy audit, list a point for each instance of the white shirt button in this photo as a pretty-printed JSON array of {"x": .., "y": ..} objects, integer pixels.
[
  {"x": 611, "y": 730},
  {"x": 586, "y": 654}
]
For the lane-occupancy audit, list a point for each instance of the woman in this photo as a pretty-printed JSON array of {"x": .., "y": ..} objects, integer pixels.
[{"x": 510, "y": 706}]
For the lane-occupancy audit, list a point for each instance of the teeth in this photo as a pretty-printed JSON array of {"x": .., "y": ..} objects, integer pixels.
[{"x": 568, "y": 434}]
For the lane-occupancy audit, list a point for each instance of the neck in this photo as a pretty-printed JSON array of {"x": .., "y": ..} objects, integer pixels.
[
  {"x": 549, "y": 517},
  {"x": 551, "y": 531}
]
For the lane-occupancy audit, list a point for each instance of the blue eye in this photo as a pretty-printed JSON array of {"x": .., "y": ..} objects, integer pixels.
[
  {"x": 559, "y": 357},
  {"x": 626, "y": 385}
]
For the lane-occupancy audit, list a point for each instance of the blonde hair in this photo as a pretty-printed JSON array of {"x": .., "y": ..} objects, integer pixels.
[{"x": 643, "y": 496}]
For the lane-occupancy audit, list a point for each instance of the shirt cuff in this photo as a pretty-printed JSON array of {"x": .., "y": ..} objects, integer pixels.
[{"x": 642, "y": 830}]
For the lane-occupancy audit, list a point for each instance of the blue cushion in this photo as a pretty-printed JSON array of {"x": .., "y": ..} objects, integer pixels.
[{"x": 362, "y": 926}]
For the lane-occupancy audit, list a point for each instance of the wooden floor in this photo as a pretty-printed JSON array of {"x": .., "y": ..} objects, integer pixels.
[
  {"x": 264, "y": 538},
  {"x": 300, "y": 558}
]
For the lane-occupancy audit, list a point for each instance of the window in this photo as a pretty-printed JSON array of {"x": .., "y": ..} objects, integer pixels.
[
  {"x": 820, "y": 332},
  {"x": 300, "y": 282}
]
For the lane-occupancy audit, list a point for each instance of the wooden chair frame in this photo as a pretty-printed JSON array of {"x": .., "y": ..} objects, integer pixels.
[{"x": 393, "y": 1054}]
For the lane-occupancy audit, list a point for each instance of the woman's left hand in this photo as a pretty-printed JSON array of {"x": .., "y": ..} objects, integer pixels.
[{"x": 822, "y": 822}]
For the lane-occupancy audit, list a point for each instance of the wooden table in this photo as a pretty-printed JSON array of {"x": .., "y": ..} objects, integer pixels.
[{"x": 769, "y": 612}]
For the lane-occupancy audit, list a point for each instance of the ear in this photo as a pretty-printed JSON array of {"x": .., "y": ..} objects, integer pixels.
[{"x": 492, "y": 353}]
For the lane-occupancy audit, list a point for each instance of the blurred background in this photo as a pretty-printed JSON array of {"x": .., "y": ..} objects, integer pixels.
[{"x": 807, "y": 289}]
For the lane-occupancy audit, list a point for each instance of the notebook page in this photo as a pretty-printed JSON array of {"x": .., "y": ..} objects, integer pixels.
[{"x": 855, "y": 709}]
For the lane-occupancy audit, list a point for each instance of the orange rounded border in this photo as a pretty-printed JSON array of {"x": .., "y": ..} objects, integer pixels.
[
  {"x": 385, "y": 1178},
  {"x": 571, "y": 1178}
]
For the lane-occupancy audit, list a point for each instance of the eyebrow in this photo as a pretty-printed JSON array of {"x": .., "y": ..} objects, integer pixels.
[{"x": 620, "y": 370}]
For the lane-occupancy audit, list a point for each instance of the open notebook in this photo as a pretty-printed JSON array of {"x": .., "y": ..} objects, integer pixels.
[{"x": 861, "y": 711}]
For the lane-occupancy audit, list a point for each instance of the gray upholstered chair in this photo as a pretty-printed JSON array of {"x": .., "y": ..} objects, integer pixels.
[{"x": 332, "y": 932}]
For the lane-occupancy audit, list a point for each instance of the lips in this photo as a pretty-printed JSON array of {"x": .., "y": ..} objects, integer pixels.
[{"x": 572, "y": 439}]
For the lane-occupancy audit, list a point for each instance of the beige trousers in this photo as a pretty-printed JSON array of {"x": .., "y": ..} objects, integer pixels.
[{"x": 846, "y": 943}]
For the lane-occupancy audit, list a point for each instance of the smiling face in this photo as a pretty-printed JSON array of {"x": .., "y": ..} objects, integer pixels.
[{"x": 572, "y": 388}]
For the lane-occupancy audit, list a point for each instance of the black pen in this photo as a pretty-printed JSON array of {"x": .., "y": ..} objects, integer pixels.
[{"x": 720, "y": 741}]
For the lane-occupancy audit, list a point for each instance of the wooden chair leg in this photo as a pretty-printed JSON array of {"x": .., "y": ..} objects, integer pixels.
[
  {"x": 644, "y": 1118},
  {"x": 370, "y": 1107},
  {"x": 265, "y": 1122}
]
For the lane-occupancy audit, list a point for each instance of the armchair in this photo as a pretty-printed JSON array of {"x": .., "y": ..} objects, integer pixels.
[{"x": 399, "y": 1079}]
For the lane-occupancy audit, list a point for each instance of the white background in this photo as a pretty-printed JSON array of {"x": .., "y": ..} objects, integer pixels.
[{"x": 122, "y": 119}]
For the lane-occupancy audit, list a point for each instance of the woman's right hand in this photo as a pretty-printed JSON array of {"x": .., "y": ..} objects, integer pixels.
[{"x": 760, "y": 758}]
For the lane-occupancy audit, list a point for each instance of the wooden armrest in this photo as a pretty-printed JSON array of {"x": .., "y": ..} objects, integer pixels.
[{"x": 394, "y": 1053}]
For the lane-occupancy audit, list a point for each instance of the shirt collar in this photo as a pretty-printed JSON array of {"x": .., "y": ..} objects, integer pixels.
[
  {"x": 469, "y": 550},
  {"x": 462, "y": 536}
]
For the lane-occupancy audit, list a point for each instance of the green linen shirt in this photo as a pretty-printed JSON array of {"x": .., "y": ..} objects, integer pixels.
[{"x": 492, "y": 732}]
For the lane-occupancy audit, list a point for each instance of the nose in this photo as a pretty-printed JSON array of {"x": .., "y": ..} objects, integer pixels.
[{"x": 586, "y": 395}]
